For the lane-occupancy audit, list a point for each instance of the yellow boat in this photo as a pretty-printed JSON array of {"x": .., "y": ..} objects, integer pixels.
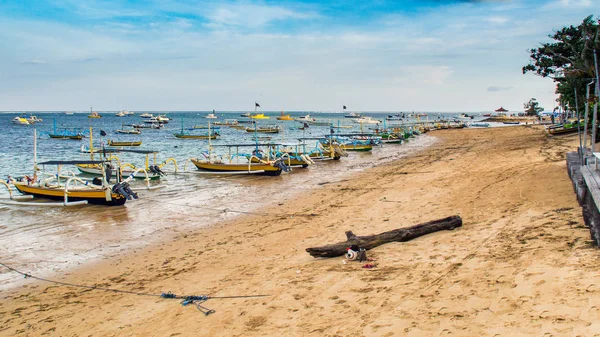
[
  {"x": 259, "y": 116},
  {"x": 57, "y": 192},
  {"x": 94, "y": 115},
  {"x": 285, "y": 117},
  {"x": 117, "y": 143},
  {"x": 235, "y": 168}
]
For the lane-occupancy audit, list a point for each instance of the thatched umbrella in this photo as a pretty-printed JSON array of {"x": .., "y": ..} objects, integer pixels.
[{"x": 501, "y": 110}]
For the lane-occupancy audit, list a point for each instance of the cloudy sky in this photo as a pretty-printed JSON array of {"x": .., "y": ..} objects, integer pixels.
[{"x": 384, "y": 55}]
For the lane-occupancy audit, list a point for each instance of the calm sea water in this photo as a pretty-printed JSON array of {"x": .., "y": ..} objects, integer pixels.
[{"x": 45, "y": 241}]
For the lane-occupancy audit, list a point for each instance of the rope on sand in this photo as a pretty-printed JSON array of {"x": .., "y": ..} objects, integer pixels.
[{"x": 196, "y": 300}]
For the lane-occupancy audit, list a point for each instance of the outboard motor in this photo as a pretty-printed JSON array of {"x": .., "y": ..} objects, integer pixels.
[
  {"x": 108, "y": 172},
  {"x": 281, "y": 164},
  {"x": 123, "y": 189}
]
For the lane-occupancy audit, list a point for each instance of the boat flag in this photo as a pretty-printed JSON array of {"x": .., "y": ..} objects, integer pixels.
[
  {"x": 102, "y": 133},
  {"x": 256, "y": 104},
  {"x": 344, "y": 107}
]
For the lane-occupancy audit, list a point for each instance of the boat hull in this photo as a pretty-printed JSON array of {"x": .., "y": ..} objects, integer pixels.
[
  {"x": 92, "y": 197},
  {"x": 111, "y": 143},
  {"x": 194, "y": 136},
  {"x": 76, "y": 137},
  {"x": 239, "y": 168}
]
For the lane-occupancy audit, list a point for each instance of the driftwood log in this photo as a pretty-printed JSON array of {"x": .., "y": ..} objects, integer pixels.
[{"x": 396, "y": 235}]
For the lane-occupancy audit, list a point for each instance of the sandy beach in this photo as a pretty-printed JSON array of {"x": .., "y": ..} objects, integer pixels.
[{"x": 522, "y": 264}]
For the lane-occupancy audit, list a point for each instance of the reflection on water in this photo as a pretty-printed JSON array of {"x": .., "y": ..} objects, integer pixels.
[{"x": 45, "y": 240}]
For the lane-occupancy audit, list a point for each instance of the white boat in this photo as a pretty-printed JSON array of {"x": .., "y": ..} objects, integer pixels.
[
  {"x": 210, "y": 116},
  {"x": 366, "y": 120},
  {"x": 69, "y": 112},
  {"x": 146, "y": 115},
  {"x": 352, "y": 115},
  {"x": 122, "y": 113},
  {"x": 20, "y": 121},
  {"x": 154, "y": 120},
  {"x": 163, "y": 119},
  {"x": 306, "y": 118},
  {"x": 33, "y": 119}
]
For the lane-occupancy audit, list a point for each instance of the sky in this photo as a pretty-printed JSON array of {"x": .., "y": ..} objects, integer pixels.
[{"x": 200, "y": 55}]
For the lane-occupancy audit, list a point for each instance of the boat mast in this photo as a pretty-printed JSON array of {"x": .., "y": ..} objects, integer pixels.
[{"x": 34, "y": 151}]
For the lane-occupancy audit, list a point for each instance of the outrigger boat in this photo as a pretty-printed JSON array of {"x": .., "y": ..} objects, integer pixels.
[
  {"x": 66, "y": 133},
  {"x": 148, "y": 172},
  {"x": 66, "y": 187},
  {"x": 227, "y": 122},
  {"x": 118, "y": 143},
  {"x": 211, "y": 164},
  {"x": 264, "y": 129},
  {"x": 186, "y": 135},
  {"x": 132, "y": 131}
]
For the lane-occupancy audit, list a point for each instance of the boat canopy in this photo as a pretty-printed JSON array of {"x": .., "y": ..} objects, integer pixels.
[{"x": 71, "y": 162}]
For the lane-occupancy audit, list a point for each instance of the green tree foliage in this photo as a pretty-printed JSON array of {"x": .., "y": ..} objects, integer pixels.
[
  {"x": 568, "y": 60},
  {"x": 533, "y": 108}
]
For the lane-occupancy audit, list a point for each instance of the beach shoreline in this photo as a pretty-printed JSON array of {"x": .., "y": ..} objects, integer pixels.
[{"x": 522, "y": 226}]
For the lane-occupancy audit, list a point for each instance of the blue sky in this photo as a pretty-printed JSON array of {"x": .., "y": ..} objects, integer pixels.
[{"x": 428, "y": 55}]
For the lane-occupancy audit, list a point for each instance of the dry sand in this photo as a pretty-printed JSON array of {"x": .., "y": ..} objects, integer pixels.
[{"x": 522, "y": 264}]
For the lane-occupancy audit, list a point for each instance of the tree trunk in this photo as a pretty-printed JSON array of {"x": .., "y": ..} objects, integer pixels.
[{"x": 396, "y": 235}]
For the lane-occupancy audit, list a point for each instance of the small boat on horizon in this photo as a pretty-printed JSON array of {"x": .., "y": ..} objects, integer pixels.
[
  {"x": 20, "y": 121},
  {"x": 146, "y": 115},
  {"x": 352, "y": 115},
  {"x": 284, "y": 117}
]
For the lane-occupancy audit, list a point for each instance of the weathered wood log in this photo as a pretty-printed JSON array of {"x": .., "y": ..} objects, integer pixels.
[{"x": 396, "y": 235}]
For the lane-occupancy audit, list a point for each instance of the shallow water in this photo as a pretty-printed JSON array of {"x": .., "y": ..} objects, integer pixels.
[{"x": 44, "y": 241}]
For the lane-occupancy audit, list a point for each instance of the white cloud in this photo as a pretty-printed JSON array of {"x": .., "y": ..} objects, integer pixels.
[{"x": 498, "y": 20}]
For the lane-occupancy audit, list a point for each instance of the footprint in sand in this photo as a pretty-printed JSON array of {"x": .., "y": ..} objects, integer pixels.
[
  {"x": 445, "y": 332},
  {"x": 591, "y": 288}
]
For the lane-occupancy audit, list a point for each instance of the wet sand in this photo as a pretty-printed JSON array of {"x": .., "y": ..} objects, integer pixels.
[{"x": 522, "y": 264}]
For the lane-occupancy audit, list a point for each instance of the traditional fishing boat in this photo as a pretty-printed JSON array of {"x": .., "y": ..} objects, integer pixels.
[
  {"x": 238, "y": 163},
  {"x": 71, "y": 189},
  {"x": 480, "y": 125},
  {"x": 132, "y": 131},
  {"x": 148, "y": 171},
  {"x": 66, "y": 133},
  {"x": 315, "y": 122},
  {"x": 65, "y": 186},
  {"x": 121, "y": 143},
  {"x": 147, "y": 126},
  {"x": 186, "y": 135},
  {"x": 264, "y": 129},
  {"x": 94, "y": 114},
  {"x": 511, "y": 122},
  {"x": 227, "y": 122}
]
